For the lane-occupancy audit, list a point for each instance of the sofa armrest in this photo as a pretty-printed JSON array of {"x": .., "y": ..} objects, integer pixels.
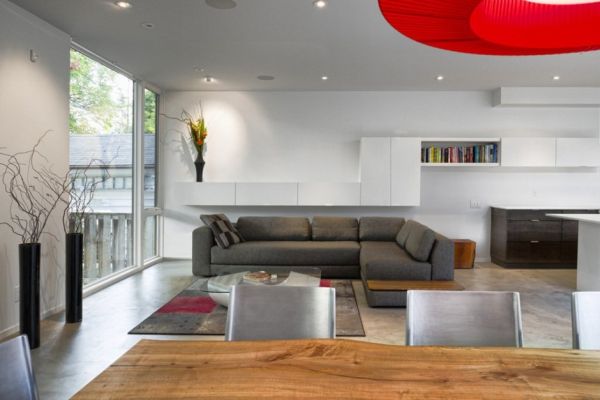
[
  {"x": 202, "y": 242},
  {"x": 442, "y": 259}
]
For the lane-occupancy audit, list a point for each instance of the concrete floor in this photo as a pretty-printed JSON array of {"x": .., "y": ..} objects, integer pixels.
[{"x": 72, "y": 355}]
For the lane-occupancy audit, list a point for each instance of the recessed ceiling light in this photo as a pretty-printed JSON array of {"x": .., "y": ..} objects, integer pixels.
[
  {"x": 209, "y": 79},
  {"x": 123, "y": 4},
  {"x": 265, "y": 77},
  {"x": 439, "y": 77},
  {"x": 556, "y": 78},
  {"x": 320, "y": 3},
  {"x": 324, "y": 77},
  {"x": 147, "y": 25},
  {"x": 222, "y": 4}
]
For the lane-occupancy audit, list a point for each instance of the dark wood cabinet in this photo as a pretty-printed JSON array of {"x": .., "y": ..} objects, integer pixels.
[{"x": 530, "y": 239}]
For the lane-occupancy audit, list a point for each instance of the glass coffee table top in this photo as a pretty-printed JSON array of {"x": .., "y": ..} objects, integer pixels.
[{"x": 222, "y": 283}]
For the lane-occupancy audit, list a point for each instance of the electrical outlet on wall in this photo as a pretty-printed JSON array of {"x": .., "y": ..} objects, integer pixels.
[
  {"x": 16, "y": 296},
  {"x": 474, "y": 204}
]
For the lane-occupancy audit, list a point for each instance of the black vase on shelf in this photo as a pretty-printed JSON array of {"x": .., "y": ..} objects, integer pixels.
[
  {"x": 199, "y": 163},
  {"x": 29, "y": 296},
  {"x": 74, "y": 277}
]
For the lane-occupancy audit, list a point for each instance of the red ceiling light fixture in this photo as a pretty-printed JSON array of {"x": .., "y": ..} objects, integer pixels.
[{"x": 498, "y": 27}]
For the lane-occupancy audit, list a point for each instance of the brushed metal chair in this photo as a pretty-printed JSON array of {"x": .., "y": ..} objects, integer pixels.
[
  {"x": 280, "y": 312},
  {"x": 17, "y": 381},
  {"x": 473, "y": 319},
  {"x": 585, "y": 315}
]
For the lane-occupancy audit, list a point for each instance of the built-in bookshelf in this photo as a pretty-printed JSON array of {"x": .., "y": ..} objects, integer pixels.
[{"x": 460, "y": 152}]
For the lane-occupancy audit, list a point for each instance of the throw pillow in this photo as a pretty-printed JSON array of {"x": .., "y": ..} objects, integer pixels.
[
  {"x": 224, "y": 232},
  {"x": 402, "y": 235},
  {"x": 420, "y": 242}
]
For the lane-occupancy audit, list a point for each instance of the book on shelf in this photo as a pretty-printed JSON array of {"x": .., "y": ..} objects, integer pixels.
[{"x": 473, "y": 154}]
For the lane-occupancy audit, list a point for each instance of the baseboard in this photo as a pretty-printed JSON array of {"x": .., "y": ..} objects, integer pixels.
[
  {"x": 9, "y": 332},
  {"x": 176, "y": 259},
  {"x": 483, "y": 259}
]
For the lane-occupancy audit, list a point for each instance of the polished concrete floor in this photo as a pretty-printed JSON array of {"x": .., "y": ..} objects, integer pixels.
[{"x": 72, "y": 354}]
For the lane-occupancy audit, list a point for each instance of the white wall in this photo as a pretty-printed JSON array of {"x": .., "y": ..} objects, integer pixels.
[
  {"x": 34, "y": 98},
  {"x": 314, "y": 136}
]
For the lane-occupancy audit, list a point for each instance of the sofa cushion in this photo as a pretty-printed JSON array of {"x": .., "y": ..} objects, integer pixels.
[
  {"x": 274, "y": 228},
  {"x": 288, "y": 253},
  {"x": 334, "y": 228},
  {"x": 223, "y": 231},
  {"x": 387, "y": 261},
  {"x": 420, "y": 242},
  {"x": 402, "y": 235},
  {"x": 379, "y": 228}
]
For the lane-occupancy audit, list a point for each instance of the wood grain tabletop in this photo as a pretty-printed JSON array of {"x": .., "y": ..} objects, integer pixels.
[{"x": 343, "y": 369}]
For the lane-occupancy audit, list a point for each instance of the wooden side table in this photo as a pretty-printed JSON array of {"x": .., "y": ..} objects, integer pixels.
[{"x": 464, "y": 253}]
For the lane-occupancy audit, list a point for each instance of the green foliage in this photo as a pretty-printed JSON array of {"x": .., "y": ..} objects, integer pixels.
[
  {"x": 101, "y": 100},
  {"x": 149, "y": 112}
]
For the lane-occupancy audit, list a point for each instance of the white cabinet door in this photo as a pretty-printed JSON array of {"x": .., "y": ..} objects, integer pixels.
[
  {"x": 577, "y": 152},
  {"x": 205, "y": 194},
  {"x": 375, "y": 173},
  {"x": 528, "y": 152},
  {"x": 406, "y": 171},
  {"x": 266, "y": 194},
  {"x": 329, "y": 194}
]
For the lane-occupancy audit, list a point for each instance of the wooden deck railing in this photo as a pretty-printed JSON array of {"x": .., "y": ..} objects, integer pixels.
[{"x": 108, "y": 244}]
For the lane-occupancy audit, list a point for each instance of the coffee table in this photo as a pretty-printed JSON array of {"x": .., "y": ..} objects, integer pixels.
[{"x": 219, "y": 287}]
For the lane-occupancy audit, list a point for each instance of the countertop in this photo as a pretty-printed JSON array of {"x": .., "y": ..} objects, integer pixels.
[
  {"x": 593, "y": 218},
  {"x": 549, "y": 207}
]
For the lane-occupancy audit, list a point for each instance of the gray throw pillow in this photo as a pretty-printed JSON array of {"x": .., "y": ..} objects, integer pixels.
[
  {"x": 402, "y": 235},
  {"x": 420, "y": 242},
  {"x": 224, "y": 232}
]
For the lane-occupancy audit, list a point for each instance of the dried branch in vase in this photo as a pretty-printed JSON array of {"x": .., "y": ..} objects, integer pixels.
[
  {"x": 34, "y": 191},
  {"x": 81, "y": 189}
]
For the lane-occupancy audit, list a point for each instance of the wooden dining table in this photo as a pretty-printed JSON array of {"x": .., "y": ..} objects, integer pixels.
[{"x": 343, "y": 369}]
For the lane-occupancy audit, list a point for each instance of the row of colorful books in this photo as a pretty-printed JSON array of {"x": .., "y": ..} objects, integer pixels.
[{"x": 483, "y": 153}]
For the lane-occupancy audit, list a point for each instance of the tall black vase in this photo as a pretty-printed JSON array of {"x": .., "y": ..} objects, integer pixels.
[
  {"x": 74, "y": 277},
  {"x": 199, "y": 163},
  {"x": 29, "y": 280}
]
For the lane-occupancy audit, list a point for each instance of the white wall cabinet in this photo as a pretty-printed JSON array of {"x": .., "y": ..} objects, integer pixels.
[
  {"x": 405, "y": 171},
  {"x": 266, "y": 194},
  {"x": 329, "y": 194},
  {"x": 577, "y": 152},
  {"x": 528, "y": 152},
  {"x": 205, "y": 193},
  {"x": 375, "y": 171}
]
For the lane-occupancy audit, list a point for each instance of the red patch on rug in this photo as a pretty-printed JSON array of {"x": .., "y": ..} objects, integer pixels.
[
  {"x": 189, "y": 304},
  {"x": 325, "y": 283}
]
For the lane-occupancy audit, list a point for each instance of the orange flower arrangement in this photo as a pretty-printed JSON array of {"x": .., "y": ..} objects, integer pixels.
[{"x": 196, "y": 128}]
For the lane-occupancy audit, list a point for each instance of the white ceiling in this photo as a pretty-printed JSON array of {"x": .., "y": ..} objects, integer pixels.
[{"x": 349, "y": 41}]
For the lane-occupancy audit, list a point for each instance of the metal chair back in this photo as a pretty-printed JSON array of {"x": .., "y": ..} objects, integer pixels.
[
  {"x": 17, "y": 381},
  {"x": 280, "y": 312},
  {"x": 473, "y": 319},
  {"x": 585, "y": 315}
]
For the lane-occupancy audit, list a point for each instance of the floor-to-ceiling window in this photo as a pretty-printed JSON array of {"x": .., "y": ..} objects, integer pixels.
[
  {"x": 102, "y": 142},
  {"x": 151, "y": 211}
]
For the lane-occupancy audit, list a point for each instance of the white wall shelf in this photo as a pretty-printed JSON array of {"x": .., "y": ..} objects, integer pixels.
[
  {"x": 329, "y": 194},
  {"x": 266, "y": 194},
  {"x": 460, "y": 165},
  {"x": 390, "y": 173},
  {"x": 205, "y": 193}
]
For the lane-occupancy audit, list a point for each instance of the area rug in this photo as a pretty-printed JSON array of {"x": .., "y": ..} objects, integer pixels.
[{"x": 193, "y": 312}]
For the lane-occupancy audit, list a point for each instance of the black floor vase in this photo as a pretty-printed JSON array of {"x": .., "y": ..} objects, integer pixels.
[
  {"x": 29, "y": 280},
  {"x": 74, "y": 278},
  {"x": 199, "y": 163}
]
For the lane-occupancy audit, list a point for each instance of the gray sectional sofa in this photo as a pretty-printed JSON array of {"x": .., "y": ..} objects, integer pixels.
[{"x": 374, "y": 248}]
